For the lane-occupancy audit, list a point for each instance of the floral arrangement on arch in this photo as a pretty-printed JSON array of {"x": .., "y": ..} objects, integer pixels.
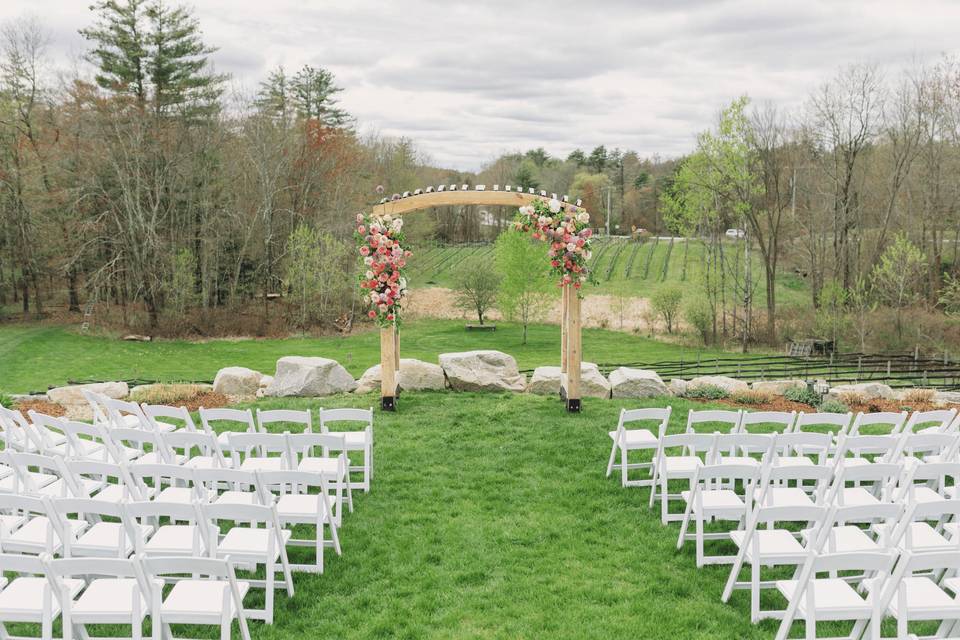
[
  {"x": 380, "y": 244},
  {"x": 568, "y": 233}
]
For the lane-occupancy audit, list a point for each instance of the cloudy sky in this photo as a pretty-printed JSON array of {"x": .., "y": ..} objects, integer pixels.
[{"x": 470, "y": 80}]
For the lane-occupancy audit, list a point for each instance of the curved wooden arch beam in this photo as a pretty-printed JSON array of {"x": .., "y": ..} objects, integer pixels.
[{"x": 445, "y": 198}]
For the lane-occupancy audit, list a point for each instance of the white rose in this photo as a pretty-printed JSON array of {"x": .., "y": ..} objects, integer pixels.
[
  {"x": 403, "y": 283},
  {"x": 586, "y": 255},
  {"x": 554, "y": 205},
  {"x": 571, "y": 246},
  {"x": 369, "y": 275},
  {"x": 583, "y": 217},
  {"x": 368, "y": 261}
]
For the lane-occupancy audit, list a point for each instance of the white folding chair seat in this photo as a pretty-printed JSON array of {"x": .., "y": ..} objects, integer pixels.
[
  {"x": 216, "y": 599},
  {"x": 194, "y": 449},
  {"x": 909, "y": 597},
  {"x": 102, "y": 538},
  {"x": 29, "y": 597},
  {"x": 171, "y": 539},
  {"x": 86, "y": 441},
  {"x": 227, "y": 486},
  {"x": 778, "y": 543},
  {"x": 777, "y": 492},
  {"x": 834, "y": 599},
  {"x": 37, "y": 536},
  {"x": 169, "y": 483},
  {"x": 841, "y": 537},
  {"x": 251, "y": 451},
  {"x": 104, "y": 481},
  {"x": 360, "y": 440}
]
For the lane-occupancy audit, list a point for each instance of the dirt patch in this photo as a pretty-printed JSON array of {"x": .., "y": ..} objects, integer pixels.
[
  {"x": 205, "y": 399},
  {"x": 598, "y": 311},
  {"x": 774, "y": 403},
  {"x": 779, "y": 403},
  {"x": 41, "y": 406}
]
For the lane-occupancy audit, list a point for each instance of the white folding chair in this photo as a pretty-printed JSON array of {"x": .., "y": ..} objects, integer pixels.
[
  {"x": 707, "y": 500},
  {"x": 212, "y": 595},
  {"x": 793, "y": 486},
  {"x": 258, "y": 451},
  {"x": 694, "y": 449},
  {"x": 879, "y": 423},
  {"x": 123, "y": 414},
  {"x": 712, "y": 418},
  {"x": 856, "y": 450},
  {"x": 139, "y": 446},
  {"x": 15, "y": 429},
  {"x": 928, "y": 481},
  {"x": 800, "y": 448},
  {"x": 114, "y": 594},
  {"x": 89, "y": 441},
  {"x": 227, "y": 419},
  {"x": 926, "y": 447},
  {"x": 855, "y": 528},
  {"x": 815, "y": 600},
  {"x": 263, "y": 542},
  {"x": 41, "y": 530},
  {"x": 303, "y": 450},
  {"x": 771, "y": 547},
  {"x": 910, "y": 597},
  {"x": 937, "y": 421},
  {"x": 19, "y": 480},
  {"x": 56, "y": 437},
  {"x": 835, "y": 423},
  {"x": 354, "y": 440},
  {"x": 868, "y": 484},
  {"x": 295, "y": 505},
  {"x": 104, "y": 481},
  {"x": 767, "y": 421},
  {"x": 167, "y": 419},
  {"x": 29, "y": 597},
  {"x": 166, "y": 483},
  {"x": 626, "y": 440},
  {"x": 33, "y": 472},
  {"x": 105, "y": 537},
  {"x": 195, "y": 449},
  {"x": 285, "y": 417},
  {"x": 741, "y": 449},
  {"x": 230, "y": 486},
  {"x": 184, "y": 533}
]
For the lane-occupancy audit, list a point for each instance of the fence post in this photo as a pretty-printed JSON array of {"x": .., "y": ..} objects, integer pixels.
[
  {"x": 859, "y": 367},
  {"x": 716, "y": 365},
  {"x": 888, "y": 368}
]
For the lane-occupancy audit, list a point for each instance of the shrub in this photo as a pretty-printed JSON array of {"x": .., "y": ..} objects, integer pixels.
[
  {"x": 919, "y": 396},
  {"x": 802, "y": 395},
  {"x": 708, "y": 392},
  {"x": 699, "y": 315},
  {"x": 751, "y": 397},
  {"x": 833, "y": 406},
  {"x": 6, "y": 401},
  {"x": 666, "y": 302}
]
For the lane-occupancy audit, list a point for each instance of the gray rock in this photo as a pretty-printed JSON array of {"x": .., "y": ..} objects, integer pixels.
[
  {"x": 865, "y": 390},
  {"x": 678, "y": 387},
  {"x": 309, "y": 377},
  {"x": 237, "y": 381},
  {"x": 545, "y": 381},
  {"x": 414, "y": 375},
  {"x": 636, "y": 383},
  {"x": 730, "y": 385},
  {"x": 947, "y": 397},
  {"x": 777, "y": 387},
  {"x": 482, "y": 371},
  {"x": 73, "y": 395}
]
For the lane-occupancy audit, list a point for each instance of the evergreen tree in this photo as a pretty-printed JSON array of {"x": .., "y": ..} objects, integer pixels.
[
  {"x": 313, "y": 91},
  {"x": 577, "y": 156},
  {"x": 120, "y": 51},
  {"x": 273, "y": 98},
  {"x": 598, "y": 159}
]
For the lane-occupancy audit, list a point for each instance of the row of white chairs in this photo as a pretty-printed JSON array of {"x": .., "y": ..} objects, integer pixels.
[
  {"x": 884, "y": 505},
  {"x": 45, "y": 434},
  {"x": 631, "y": 436}
]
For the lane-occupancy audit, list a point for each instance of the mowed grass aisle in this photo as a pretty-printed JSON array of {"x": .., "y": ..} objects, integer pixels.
[{"x": 490, "y": 517}]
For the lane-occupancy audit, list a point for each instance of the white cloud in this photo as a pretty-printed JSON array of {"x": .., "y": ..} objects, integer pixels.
[{"x": 467, "y": 80}]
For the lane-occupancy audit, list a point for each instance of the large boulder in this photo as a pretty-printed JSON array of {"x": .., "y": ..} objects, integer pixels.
[
  {"x": 777, "y": 387},
  {"x": 545, "y": 381},
  {"x": 310, "y": 377},
  {"x": 237, "y": 381},
  {"x": 482, "y": 371},
  {"x": 73, "y": 394},
  {"x": 678, "y": 387},
  {"x": 730, "y": 385},
  {"x": 636, "y": 383},
  {"x": 414, "y": 375},
  {"x": 865, "y": 390},
  {"x": 947, "y": 397}
]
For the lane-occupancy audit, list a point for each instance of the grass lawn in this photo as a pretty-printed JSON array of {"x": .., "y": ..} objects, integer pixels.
[
  {"x": 34, "y": 357},
  {"x": 490, "y": 517}
]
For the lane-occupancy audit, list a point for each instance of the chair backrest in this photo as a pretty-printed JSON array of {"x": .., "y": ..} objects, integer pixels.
[
  {"x": 92, "y": 511},
  {"x": 211, "y": 481},
  {"x": 252, "y": 514},
  {"x": 305, "y": 444},
  {"x": 714, "y": 417},
  {"x": 858, "y": 446},
  {"x": 661, "y": 416},
  {"x": 938, "y": 419},
  {"x": 823, "y": 421},
  {"x": 157, "y": 413},
  {"x": 774, "y": 477},
  {"x": 95, "y": 400},
  {"x": 286, "y": 417},
  {"x": 886, "y": 514},
  {"x": 781, "y": 421},
  {"x": 742, "y": 472},
  {"x": 260, "y": 445},
  {"x": 31, "y": 505},
  {"x": 692, "y": 443},
  {"x": 887, "y": 422},
  {"x": 882, "y": 476},
  {"x": 25, "y": 464},
  {"x": 82, "y": 434},
  {"x": 742, "y": 443},
  {"x": 102, "y": 472},
  {"x": 802, "y": 443},
  {"x": 364, "y": 416},
  {"x": 927, "y": 444},
  {"x": 270, "y": 483},
  {"x": 148, "y": 512},
  {"x": 26, "y": 565},
  {"x": 15, "y": 430},
  {"x": 141, "y": 440},
  {"x": 234, "y": 417},
  {"x": 45, "y": 427},
  {"x": 186, "y": 442},
  {"x": 159, "y": 475},
  {"x": 117, "y": 410}
]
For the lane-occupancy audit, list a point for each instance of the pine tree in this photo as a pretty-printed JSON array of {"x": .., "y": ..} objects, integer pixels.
[
  {"x": 273, "y": 98},
  {"x": 120, "y": 53},
  {"x": 313, "y": 92}
]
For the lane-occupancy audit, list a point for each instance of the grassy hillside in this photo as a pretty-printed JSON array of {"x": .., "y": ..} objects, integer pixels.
[
  {"x": 33, "y": 357},
  {"x": 619, "y": 265}
]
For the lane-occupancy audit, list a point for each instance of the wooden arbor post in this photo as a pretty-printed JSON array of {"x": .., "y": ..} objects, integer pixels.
[
  {"x": 571, "y": 348},
  {"x": 389, "y": 367}
]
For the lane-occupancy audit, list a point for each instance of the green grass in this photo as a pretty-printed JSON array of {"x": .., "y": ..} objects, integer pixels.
[
  {"x": 33, "y": 357},
  {"x": 436, "y": 266}
]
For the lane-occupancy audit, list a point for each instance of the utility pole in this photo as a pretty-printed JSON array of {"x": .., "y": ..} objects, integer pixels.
[{"x": 609, "y": 208}]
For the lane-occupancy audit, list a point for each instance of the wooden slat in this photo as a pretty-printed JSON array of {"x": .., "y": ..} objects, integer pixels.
[
  {"x": 389, "y": 358},
  {"x": 456, "y": 198}
]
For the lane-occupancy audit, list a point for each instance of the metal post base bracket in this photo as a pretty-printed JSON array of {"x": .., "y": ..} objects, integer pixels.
[
  {"x": 388, "y": 403},
  {"x": 573, "y": 405}
]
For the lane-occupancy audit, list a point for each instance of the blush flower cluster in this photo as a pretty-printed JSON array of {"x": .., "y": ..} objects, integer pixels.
[
  {"x": 380, "y": 244},
  {"x": 568, "y": 233}
]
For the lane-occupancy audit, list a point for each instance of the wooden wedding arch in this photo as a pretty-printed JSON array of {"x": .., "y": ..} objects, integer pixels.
[{"x": 570, "y": 328}]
